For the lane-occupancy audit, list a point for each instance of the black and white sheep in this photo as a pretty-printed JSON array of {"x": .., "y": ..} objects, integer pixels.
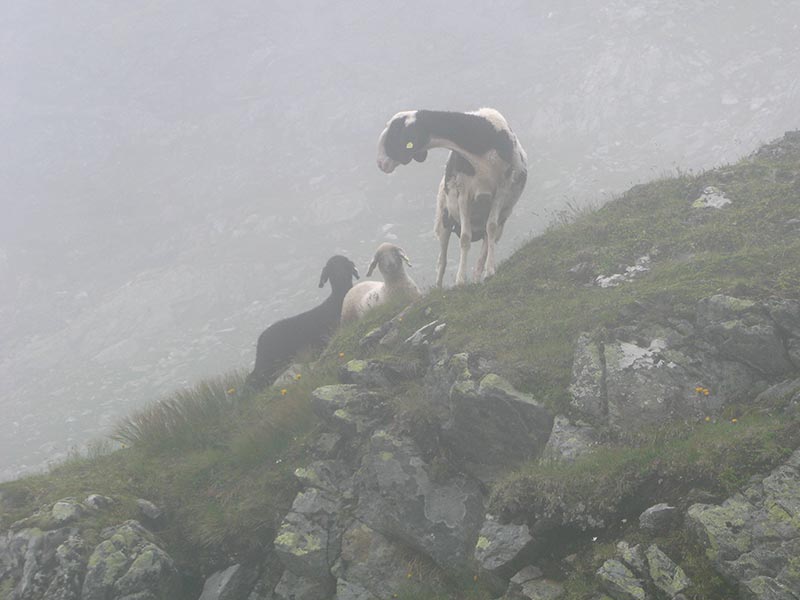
[
  {"x": 483, "y": 179},
  {"x": 396, "y": 283},
  {"x": 283, "y": 340}
]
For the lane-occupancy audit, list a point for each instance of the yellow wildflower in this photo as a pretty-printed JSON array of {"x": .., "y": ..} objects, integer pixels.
[
  {"x": 298, "y": 376},
  {"x": 341, "y": 354},
  {"x": 708, "y": 419},
  {"x": 284, "y": 391},
  {"x": 231, "y": 391},
  {"x": 734, "y": 420},
  {"x": 706, "y": 392}
]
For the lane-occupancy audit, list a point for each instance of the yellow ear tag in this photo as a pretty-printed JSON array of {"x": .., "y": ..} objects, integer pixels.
[{"x": 410, "y": 145}]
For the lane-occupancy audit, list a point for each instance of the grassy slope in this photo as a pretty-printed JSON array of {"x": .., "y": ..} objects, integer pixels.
[{"x": 222, "y": 464}]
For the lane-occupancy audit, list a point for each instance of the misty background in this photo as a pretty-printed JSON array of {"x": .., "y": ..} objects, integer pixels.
[{"x": 174, "y": 174}]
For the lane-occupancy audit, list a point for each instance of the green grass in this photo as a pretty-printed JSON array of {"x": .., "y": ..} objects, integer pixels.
[{"x": 221, "y": 462}]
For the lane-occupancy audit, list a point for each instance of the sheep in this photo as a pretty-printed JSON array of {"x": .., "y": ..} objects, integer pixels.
[
  {"x": 484, "y": 177},
  {"x": 396, "y": 283},
  {"x": 279, "y": 343}
]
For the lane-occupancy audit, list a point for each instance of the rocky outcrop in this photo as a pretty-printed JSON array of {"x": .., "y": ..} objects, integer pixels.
[
  {"x": 753, "y": 538},
  {"x": 637, "y": 574}
]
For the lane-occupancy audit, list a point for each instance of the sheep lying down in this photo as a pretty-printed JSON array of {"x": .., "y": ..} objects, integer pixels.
[{"x": 363, "y": 297}]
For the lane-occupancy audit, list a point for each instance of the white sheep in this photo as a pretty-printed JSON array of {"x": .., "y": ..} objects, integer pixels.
[
  {"x": 396, "y": 283},
  {"x": 483, "y": 179}
]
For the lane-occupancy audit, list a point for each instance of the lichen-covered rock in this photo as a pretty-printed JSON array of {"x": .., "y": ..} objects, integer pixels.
[
  {"x": 149, "y": 511},
  {"x": 379, "y": 373},
  {"x": 781, "y": 396},
  {"x": 130, "y": 562},
  {"x": 427, "y": 334},
  {"x": 659, "y": 518},
  {"x": 270, "y": 574},
  {"x": 370, "y": 565},
  {"x": 66, "y": 511},
  {"x": 398, "y": 497},
  {"x": 491, "y": 424},
  {"x": 98, "y": 501},
  {"x": 308, "y": 540},
  {"x": 569, "y": 441},
  {"x": 753, "y": 538},
  {"x": 664, "y": 573},
  {"x": 42, "y": 565},
  {"x": 232, "y": 583},
  {"x": 786, "y": 315},
  {"x": 499, "y": 545},
  {"x": 620, "y": 582},
  {"x": 632, "y": 556},
  {"x": 742, "y": 331},
  {"x": 348, "y": 408},
  {"x": 331, "y": 476}
]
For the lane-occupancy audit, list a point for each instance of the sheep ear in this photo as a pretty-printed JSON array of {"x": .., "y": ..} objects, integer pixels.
[
  {"x": 323, "y": 279},
  {"x": 372, "y": 266},
  {"x": 355, "y": 273},
  {"x": 405, "y": 258},
  {"x": 421, "y": 156}
]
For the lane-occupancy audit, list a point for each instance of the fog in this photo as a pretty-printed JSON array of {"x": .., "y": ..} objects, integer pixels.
[{"x": 174, "y": 174}]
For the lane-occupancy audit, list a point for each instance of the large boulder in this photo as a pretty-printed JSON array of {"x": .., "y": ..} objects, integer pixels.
[
  {"x": 348, "y": 408},
  {"x": 500, "y": 545},
  {"x": 753, "y": 538},
  {"x": 492, "y": 425},
  {"x": 130, "y": 564},
  {"x": 399, "y": 497},
  {"x": 232, "y": 583},
  {"x": 568, "y": 441}
]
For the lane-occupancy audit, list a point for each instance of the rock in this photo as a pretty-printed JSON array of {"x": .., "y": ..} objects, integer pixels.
[
  {"x": 348, "y": 408},
  {"x": 426, "y": 334},
  {"x": 633, "y": 557},
  {"x": 308, "y": 542},
  {"x": 327, "y": 445},
  {"x": 66, "y": 511},
  {"x": 620, "y": 582},
  {"x": 781, "y": 396},
  {"x": 664, "y": 573},
  {"x": 270, "y": 574},
  {"x": 583, "y": 272},
  {"x": 786, "y": 315},
  {"x": 398, "y": 497},
  {"x": 386, "y": 334},
  {"x": 292, "y": 587},
  {"x": 712, "y": 197},
  {"x": 379, "y": 373},
  {"x": 588, "y": 378},
  {"x": 149, "y": 511},
  {"x": 500, "y": 545},
  {"x": 568, "y": 441},
  {"x": 42, "y": 565},
  {"x": 658, "y": 519},
  {"x": 492, "y": 425},
  {"x": 331, "y": 476},
  {"x": 742, "y": 331},
  {"x": 130, "y": 562},
  {"x": 232, "y": 583},
  {"x": 753, "y": 538},
  {"x": 528, "y": 584},
  {"x": 370, "y": 565},
  {"x": 98, "y": 502}
]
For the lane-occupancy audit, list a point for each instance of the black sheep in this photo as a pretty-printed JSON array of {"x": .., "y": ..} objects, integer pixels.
[{"x": 283, "y": 340}]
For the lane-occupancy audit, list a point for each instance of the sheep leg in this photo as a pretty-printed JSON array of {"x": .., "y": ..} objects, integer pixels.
[
  {"x": 479, "y": 266},
  {"x": 493, "y": 232},
  {"x": 466, "y": 240},
  {"x": 444, "y": 240}
]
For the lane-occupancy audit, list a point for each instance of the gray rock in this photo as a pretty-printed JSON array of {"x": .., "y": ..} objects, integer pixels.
[
  {"x": 753, "y": 538},
  {"x": 588, "y": 378},
  {"x": 658, "y": 519},
  {"x": 149, "y": 511},
  {"x": 66, "y": 511},
  {"x": 332, "y": 476},
  {"x": 620, "y": 582},
  {"x": 98, "y": 502},
  {"x": 491, "y": 424},
  {"x": 292, "y": 587},
  {"x": 270, "y": 574},
  {"x": 742, "y": 331},
  {"x": 130, "y": 562},
  {"x": 426, "y": 334},
  {"x": 398, "y": 498},
  {"x": 664, "y": 573},
  {"x": 499, "y": 546},
  {"x": 370, "y": 565},
  {"x": 308, "y": 542},
  {"x": 633, "y": 557},
  {"x": 327, "y": 445},
  {"x": 569, "y": 441},
  {"x": 379, "y": 373},
  {"x": 786, "y": 315},
  {"x": 348, "y": 408},
  {"x": 528, "y": 584},
  {"x": 781, "y": 396},
  {"x": 233, "y": 583},
  {"x": 385, "y": 334}
]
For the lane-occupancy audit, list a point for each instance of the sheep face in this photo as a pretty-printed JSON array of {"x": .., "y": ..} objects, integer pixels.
[
  {"x": 340, "y": 271},
  {"x": 403, "y": 139},
  {"x": 389, "y": 259}
]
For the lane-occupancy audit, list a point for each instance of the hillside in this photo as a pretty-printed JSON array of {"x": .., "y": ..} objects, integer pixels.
[{"x": 616, "y": 412}]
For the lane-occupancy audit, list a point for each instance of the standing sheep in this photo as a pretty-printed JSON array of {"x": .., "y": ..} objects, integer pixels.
[
  {"x": 283, "y": 340},
  {"x": 483, "y": 179},
  {"x": 396, "y": 283}
]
